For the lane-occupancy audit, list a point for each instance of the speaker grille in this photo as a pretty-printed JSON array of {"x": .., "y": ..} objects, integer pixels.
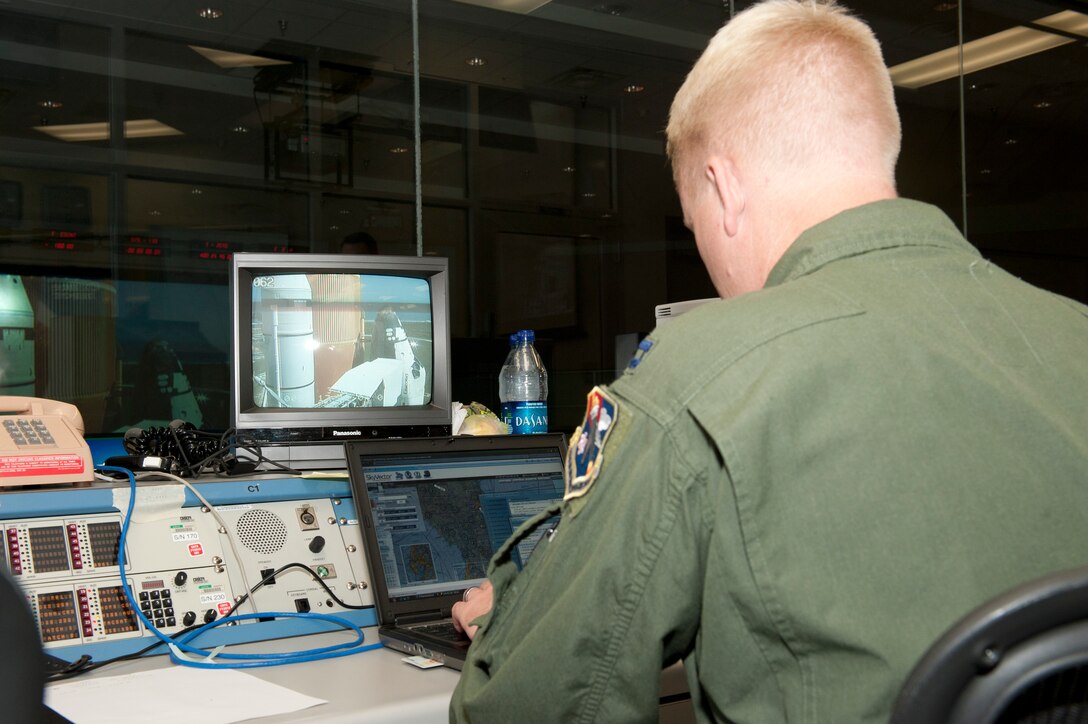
[{"x": 261, "y": 531}]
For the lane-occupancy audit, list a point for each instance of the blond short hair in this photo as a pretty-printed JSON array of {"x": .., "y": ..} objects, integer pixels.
[{"x": 789, "y": 85}]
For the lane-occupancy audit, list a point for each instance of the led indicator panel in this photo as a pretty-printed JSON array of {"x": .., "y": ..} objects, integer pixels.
[
  {"x": 105, "y": 539},
  {"x": 49, "y": 549},
  {"x": 57, "y": 616},
  {"x": 117, "y": 615}
]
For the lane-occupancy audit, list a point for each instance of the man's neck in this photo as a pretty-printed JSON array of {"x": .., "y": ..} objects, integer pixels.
[{"x": 795, "y": 208}]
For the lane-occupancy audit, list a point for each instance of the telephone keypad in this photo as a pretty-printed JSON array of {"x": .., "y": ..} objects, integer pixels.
[{"x": 25, "y": 433}]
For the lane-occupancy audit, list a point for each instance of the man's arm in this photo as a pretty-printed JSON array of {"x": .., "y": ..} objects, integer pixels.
[{"x": 582, "y": 632}]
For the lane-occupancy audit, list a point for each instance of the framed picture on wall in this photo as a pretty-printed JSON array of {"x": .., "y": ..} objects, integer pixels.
[{"x": 536, "y": 282}]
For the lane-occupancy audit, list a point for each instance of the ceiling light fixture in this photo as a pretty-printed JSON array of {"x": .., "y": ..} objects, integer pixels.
[
  {"x": 143, "y": 128},
  {"x": 50, "y": 104},
  {"x": 476, "y": 61},
  {"x": 511, "y": 6},
  {"x": 228, "y": 59},
  {"x": 989, "y": 51},
  {"x": 634, "y": 88},
  {"x": 210, "y": 13},
  {"x": 399, "y": 149}
]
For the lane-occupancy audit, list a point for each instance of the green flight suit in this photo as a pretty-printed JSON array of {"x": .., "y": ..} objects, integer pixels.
[{"x": 802, "y": 488}]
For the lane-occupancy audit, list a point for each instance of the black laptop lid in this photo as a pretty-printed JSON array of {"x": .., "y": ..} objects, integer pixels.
[{"x": 434, "y": 511}]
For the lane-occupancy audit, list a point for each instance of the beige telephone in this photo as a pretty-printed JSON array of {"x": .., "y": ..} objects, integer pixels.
[{"x": 41, "y": 443}]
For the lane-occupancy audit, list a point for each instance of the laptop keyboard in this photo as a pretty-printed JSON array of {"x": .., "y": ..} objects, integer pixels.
[{"x": 445, "y": 631}]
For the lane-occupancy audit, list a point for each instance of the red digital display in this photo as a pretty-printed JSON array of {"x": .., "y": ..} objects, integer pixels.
[
  {"x": 117, "y": 615},
  {"x": 66, "y": 241},
  {"x": 105, "y": 539},
  {"x": 143, "y": 246},
  {"x": 49, "y": 549},
  {"x": 57, "y": 616}
]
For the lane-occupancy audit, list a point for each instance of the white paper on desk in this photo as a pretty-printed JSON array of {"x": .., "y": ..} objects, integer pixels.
[{"x": 179, "y": 694}]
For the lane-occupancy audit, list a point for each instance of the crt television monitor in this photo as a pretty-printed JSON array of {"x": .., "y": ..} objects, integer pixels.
[{"x": 335, "y": 347}]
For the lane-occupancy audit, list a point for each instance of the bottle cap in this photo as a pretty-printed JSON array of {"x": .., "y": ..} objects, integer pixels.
[{"x": 527, "y": 335}]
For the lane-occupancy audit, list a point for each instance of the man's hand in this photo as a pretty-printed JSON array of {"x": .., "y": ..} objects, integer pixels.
[{"x": 476, "y": 602}]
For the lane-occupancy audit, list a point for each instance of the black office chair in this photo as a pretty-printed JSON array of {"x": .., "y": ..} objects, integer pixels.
[
  {"x": 22, "y": 661},
  {"x": 1020, "y": 658}
]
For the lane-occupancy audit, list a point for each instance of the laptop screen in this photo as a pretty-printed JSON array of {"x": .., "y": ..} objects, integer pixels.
[{"x": 440, "y": 511}]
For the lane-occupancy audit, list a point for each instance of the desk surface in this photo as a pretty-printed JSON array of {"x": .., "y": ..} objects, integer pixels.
[{"x": 371, "y": 686}]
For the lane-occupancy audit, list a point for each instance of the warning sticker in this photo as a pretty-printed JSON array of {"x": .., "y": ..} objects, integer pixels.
[
  {"x": 61, "y": 464},
  {"x": 195, "y": 549}
]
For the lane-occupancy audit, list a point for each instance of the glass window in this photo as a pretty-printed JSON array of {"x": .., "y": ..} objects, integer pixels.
[
  {"x": 145, "y": 144},
  {"x": 54, "y": 89},
  {"x": 180, "y": 228}
]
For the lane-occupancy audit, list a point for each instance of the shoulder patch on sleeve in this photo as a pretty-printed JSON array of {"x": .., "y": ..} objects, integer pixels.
[{"x": 586, "y": 456}]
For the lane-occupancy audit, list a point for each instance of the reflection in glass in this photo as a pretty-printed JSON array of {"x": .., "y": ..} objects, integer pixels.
[{"x": 291, "y": 127}]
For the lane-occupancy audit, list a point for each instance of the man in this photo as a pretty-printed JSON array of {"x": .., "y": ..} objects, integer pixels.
[
  {"x": 359, "y": 242},
  {"x": 804, "y": 484}
]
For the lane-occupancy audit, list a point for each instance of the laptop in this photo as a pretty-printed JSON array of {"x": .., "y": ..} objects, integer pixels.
[{"x": 433, "y": 511}]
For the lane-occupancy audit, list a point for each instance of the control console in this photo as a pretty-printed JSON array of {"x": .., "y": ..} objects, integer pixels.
[{"x": 291, "y": 545}]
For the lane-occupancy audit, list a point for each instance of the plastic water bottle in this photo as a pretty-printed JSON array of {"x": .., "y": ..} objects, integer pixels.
[
  {"x": 523, "y": 388},
  {"x": 505, "y": 372},
  {"x": 510, "y": 354}
]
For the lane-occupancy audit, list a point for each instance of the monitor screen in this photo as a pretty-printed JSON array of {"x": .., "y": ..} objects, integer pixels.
[
  {"x": 330, "y": 348},
  {"x": 440, "y": 515},
  {"x": 341, "y": 340}
]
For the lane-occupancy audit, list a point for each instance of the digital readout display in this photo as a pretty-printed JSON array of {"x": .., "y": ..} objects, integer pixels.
[
  {"x": 105, "y": 539},
  {"x": 57, "y": 616},
  {"x": 49, "y": 549},
  {"x": 117, "y": 614}
]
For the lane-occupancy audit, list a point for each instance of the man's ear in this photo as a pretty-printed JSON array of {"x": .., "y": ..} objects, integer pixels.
[{"x": 722, "y": 173}]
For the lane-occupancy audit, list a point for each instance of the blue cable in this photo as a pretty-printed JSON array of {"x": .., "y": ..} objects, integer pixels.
[{"x": 234, "y": 661}]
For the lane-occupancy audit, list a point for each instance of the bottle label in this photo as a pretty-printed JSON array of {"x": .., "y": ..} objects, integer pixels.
[{"x": 525, "y": 417}]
